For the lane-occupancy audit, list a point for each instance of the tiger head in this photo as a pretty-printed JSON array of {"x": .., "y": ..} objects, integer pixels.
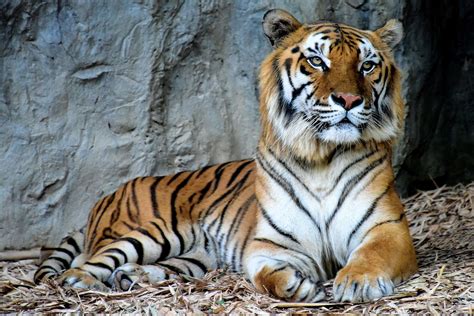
[{"x": 328, "y": 84}]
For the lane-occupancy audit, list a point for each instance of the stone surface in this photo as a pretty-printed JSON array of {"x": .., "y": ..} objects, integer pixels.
[{"x": 96, "y": 93}]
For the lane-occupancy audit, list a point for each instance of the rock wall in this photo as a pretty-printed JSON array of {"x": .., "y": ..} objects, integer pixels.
[{"x": 94, "y": 93}]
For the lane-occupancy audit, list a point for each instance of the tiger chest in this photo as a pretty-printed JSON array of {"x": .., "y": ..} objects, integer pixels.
[{"x": 315, "y": 213}]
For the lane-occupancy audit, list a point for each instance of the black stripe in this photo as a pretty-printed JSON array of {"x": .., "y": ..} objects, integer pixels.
[
  {"x": 116, "y": 261},
  {"x": 172, "y": 268},
  {"x": 174, "y": 211},
  {"x": 288, "y": 71},
  {"x": 165, "y": 246},
  {"x": 99, "y": 265},
  {"x": 274, "y": 226},
  {"x": 233, "y": 257},
  {"x": 146, "y": 233},
  {"x": 351, "y": 184},
  {"x": 138, "y": 247},
  {"x": 367, "y": 214},
  {"x": 278, "y": 270},
  {"x": 285, "y": 166},
  {"x": 387, "y": 110},
  {"x": 206, "y": 242},
  {"x": 237, "y": 171},
  {"x": 116, "y": 213},
  {"x": 71, "y": 241},
  {"x": 297, "y": 92},
  {"x": 296, "y": 285},
  {"x": 196, "y": 262},
  {"x": 47, "y": 267},
  {"x": 102, "y": 211},
  {"x": 218, "y": 174},
  {"x": 154, "y": 200},
  {"x": 304, "y": 71},
  {"x": 238, "y": 218},
  {"x": 118, "y": 251},
  {"x": 176, "y": 176},
  {"x": 191, "y": 197},
  {"x": 237, "y": 189},
  {"x": 203, "y": 192},
  {"x": 97, "y": 207},
  {"x": 67, "y": 252},
  {"x": 131, "y": 216},
  {"x": 62, "y": 262},
  {"x": 391, "y": 221},
  {"x": 372, "y": 178},
  {"x": 271, "y": 242},
  {"x": 376, "y": 81},
  {"x": 310, "y": 95},
  {"x": 135, "y": 200},
  {"x": 201, "y": 171},
  {"x": 243, "y": 247},
  {"x": 286, "y": 187},
  {"x": 212, "y": 207},
  {"x": 283, "y": 105},
  {"x": 39, "y": 276},
  {"x": 129, "y": 226},
  {"x": 339, "y": 177},
  {"x": 377, "y": 94}
]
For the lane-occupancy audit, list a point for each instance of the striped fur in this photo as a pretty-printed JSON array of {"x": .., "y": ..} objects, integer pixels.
[{"x": 317, "y": 202}]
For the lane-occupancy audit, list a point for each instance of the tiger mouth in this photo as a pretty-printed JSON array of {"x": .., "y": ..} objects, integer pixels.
[{"x": 344, "y": 121}]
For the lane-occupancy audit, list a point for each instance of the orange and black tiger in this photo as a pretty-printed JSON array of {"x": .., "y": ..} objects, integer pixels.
[{"x": 317, "y": 202}]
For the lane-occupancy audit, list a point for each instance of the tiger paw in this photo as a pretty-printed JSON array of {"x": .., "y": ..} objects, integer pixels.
[
  {"x": 289, "y": 284},
  {"x": 82, "y": 280},
  {"x": 356, "y": 284},
  {"x": 127, "y": 276}
]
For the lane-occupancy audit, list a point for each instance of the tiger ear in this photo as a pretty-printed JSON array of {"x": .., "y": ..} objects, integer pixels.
[
  {"x": 277, "y": 24},
  {"x": 391, "y": 33}
]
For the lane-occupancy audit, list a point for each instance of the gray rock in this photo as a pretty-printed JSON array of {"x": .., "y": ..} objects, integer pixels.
[{"x": 96, "y": 93}]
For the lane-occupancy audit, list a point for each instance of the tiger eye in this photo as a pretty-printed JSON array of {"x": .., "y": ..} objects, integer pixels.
[
  {"x": 316, "y": 61},
  {"x": 368, "y": 66}
]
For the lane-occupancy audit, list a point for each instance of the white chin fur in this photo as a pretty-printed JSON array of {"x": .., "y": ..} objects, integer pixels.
[{"x": 341, "y": 134}]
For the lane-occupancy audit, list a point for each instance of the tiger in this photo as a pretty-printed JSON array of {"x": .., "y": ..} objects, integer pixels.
[{"x": 317, "y": 202}]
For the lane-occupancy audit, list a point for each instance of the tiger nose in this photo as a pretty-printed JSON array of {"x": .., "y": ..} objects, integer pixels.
[{"x": 348, "y": 101}]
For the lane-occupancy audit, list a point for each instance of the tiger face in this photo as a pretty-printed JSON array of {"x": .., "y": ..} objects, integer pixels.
[{"x": 331, "y": 84}]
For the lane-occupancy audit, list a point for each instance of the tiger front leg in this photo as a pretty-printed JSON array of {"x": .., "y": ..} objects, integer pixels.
[
  {"x": 281, "y": 274},
  {"x": 385, "y": 257}
]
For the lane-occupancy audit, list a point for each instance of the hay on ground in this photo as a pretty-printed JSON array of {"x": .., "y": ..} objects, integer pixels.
[{"x": 442, "y": 225}]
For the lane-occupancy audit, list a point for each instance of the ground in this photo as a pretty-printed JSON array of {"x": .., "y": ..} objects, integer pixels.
[{"x": 442, "y": 225}]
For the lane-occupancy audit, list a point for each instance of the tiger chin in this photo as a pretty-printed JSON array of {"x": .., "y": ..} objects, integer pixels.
[{"x": 317, "y": 202}]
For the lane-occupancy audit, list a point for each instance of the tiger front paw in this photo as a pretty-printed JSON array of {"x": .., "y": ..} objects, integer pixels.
[
  {"x": 80, "y": 279},
  {"x": 357, "y": 284},
  {"x": 288, "y": 284}
]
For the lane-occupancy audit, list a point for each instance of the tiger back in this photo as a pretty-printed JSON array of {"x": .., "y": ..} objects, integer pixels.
[{"x": 317, "y": 202}]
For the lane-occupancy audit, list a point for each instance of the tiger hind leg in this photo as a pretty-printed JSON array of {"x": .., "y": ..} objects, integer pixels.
[
  {"x": 144, "y": 245},
  {"x": 194, "y": 264},
  {"x": 60, "y": 258}
]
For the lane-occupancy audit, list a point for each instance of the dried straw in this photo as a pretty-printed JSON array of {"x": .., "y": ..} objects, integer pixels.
[{"x": 442, "y": 224}]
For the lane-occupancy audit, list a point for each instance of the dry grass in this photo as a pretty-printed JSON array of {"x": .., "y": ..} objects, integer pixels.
[{"x": 442, "y": 224}]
